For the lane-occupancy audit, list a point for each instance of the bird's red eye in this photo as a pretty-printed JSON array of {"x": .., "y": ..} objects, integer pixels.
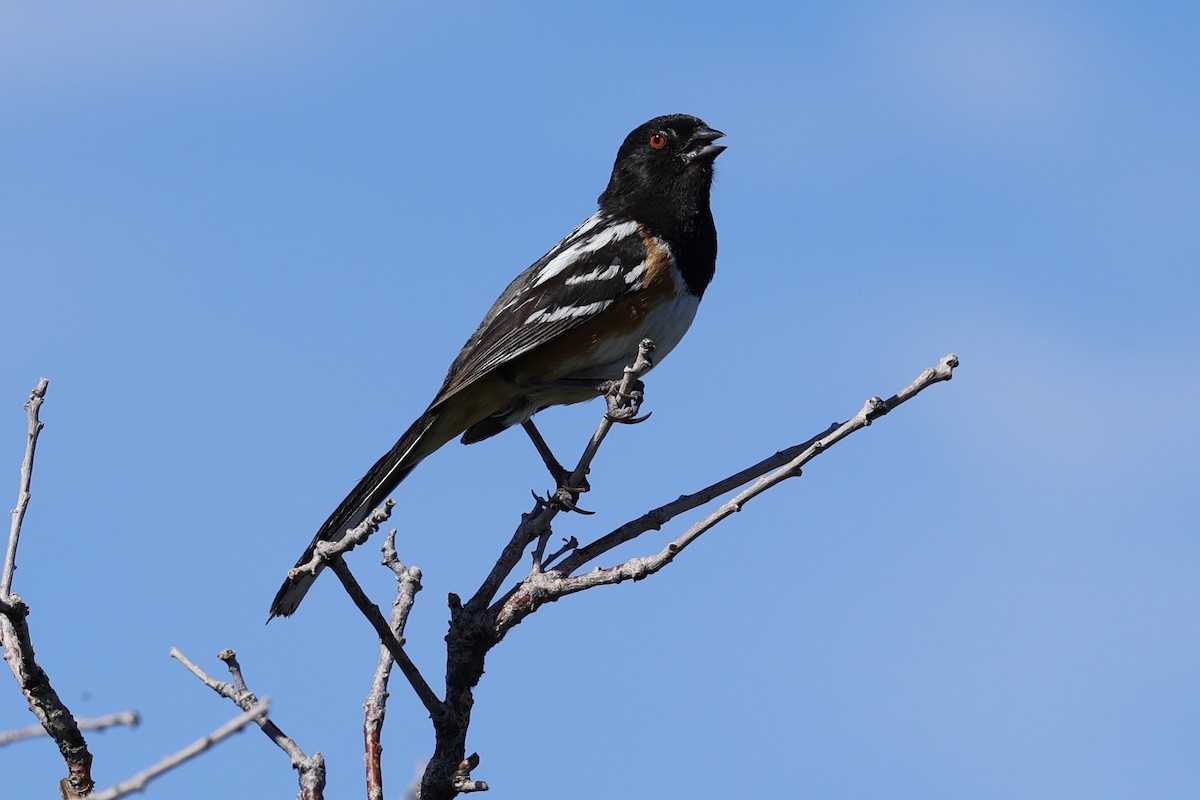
[{"x": 658, "y": 141}]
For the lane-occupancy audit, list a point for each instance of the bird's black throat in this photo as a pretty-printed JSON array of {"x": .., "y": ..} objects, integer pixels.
[{"x": 673, "y": 207}]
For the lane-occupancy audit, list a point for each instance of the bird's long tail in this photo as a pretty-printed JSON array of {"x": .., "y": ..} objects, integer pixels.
[{"x": 421, "y": 439}]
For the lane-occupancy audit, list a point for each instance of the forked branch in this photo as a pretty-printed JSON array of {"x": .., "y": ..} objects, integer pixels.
[
  {"x": 311, "y": 769},
  {"x": 139, "y": 781},
  {"x": 482, "y": 622},
  {"x": 408, "y": 583},
  {"x": 540, "y": 588}
]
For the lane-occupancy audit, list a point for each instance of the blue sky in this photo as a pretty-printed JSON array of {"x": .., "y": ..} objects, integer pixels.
[{"x": 244, "y": 240}]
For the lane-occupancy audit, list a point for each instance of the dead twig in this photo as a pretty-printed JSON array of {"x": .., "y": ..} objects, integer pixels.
[
  {"x": 330, "y": 554},
  {"x": 408, "y": 583},
  {"x": 547, "y": 587},
  {"x": 129, "y": 718},
  {"x": 311, "y": 769},
  {"x": 138, "y": 782},
  {"x": 56, "y": 719},
  {"x": 32, "y": 409}
]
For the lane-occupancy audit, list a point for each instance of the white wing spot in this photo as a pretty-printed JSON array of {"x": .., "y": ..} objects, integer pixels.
[
  {"x": 598, "y": 274},
  {"x": 587, "y": 225},
  {"x": 636, "y": 273},
  {"x": 566, "y": 312},
  {"x": 583, "y": 246}
]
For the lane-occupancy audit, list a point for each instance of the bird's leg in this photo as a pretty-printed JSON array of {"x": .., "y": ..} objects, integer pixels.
[
  {"x": 565, "y": 494},
  {"x": 560, "y": 473}
]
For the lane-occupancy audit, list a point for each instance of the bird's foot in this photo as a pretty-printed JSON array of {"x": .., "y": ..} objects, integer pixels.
[
  {"x": 567, "y": 491},
  {"x": 562, "y": 480},
  {"x": 623, "y": 407},
  {"x": 564, "y": 498}
]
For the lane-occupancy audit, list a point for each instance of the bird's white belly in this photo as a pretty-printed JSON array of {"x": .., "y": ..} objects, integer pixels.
[{"x": 665, "y": 326}]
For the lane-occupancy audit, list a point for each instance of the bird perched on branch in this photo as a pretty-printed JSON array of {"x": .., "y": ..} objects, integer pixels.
[{"x": 564, "y": 329}]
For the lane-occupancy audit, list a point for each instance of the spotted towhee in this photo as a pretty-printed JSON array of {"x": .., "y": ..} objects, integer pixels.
[{"x": 564, "y": 330}]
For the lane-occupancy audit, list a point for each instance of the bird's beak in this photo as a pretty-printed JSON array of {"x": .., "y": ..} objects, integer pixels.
[{"x": 700, "y": 148}]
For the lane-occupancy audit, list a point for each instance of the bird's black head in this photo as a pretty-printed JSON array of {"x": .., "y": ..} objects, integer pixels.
[{"x": 663, "y": 174}]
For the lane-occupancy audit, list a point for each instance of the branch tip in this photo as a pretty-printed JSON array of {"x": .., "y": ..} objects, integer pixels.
[{"x": 537, "y": 590}]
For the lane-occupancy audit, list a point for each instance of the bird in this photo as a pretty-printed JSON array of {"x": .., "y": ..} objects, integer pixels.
[{"x": 565, "y": 328}]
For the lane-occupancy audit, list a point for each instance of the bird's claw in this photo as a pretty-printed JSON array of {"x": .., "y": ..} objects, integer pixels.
[
  {"x": 542, "y": 503},
  {"x": 564, "y": 498},
  {"x": 623, "y": 407},
  {"x": 566, "y": 495},
  {"x": 628, "y": 416}
]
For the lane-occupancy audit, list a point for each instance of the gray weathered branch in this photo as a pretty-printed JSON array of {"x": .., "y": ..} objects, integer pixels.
[
  {"x": 331, "y": 553},
  {"x": 57, "y": 720},
  {"x": 544, "y": 587},
  {"x": 408, "y": 583},
  {"x": 139, "y": 781},
  {"x": 129, "y": 717},
  {"x": 480, "y": 623},
  {"x": 311, "y": 769}
]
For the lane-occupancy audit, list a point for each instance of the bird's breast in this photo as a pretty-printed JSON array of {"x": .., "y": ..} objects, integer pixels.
[{"x": 662, "y": 309}]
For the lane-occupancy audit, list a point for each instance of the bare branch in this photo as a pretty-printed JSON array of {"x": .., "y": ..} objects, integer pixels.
[
  {"x": 656, "y": 518},
  {"x": 330, "y": 553},
  {"x": 548, "y": 587},
  {"x": 569, "y": 545},
  {"x": 408, "y": 580},
  {"x": 138, "y": 782},
  {"x": 311, "y": 768},
  {"x": 36, "y": 398},
  {"x": 325, "y": 552},
  {"x": 536, "y": 524},
  {"x": 479, "y": 624},
  {"x": 129, "y": 718},
  {"x": 472, "y": 630},
  {"x": 44, "y": 702},
  {"x": 462, "y": 781},
  {"x": 394, "y": 646},
  {"x": 533, "y": 525},
  {"x": 243, "y": 698}
]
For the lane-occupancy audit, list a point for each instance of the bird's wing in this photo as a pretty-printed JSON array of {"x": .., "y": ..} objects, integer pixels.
[{"x": 601, "y": 262}]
